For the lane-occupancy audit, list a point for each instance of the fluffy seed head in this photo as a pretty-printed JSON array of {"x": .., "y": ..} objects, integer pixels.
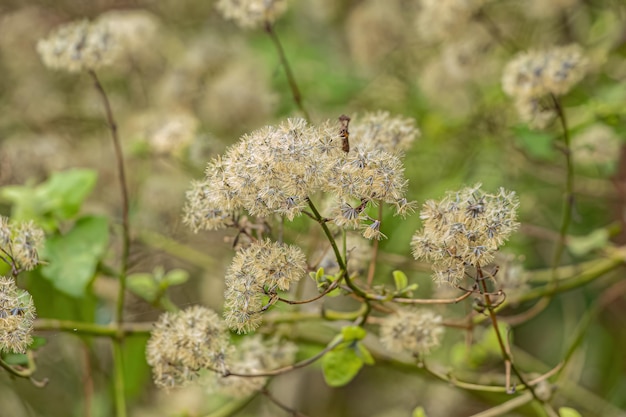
[
  {"x": 183, "y": 343},
  {"x": 79, "y": 46},
  {"x": 249, "y": 14},
  {"x": 262, "y": 268},
  {"x": 464, "y": 229},
  {"x": 17, "y": 313},
  {"x": 417, "y": 332},
  {"x": 21, "y": 242}
]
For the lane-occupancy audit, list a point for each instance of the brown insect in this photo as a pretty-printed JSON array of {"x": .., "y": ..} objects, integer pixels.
[{"x": 344, "y": 133}]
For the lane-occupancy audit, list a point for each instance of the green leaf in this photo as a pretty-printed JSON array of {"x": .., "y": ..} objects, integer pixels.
[
  {"x": 58, "y": 198},
  {"x": 351, "y": 333},
  {"x": 72, "y": 258},
  {"x": 143, "y": 285},
  {"x": 176, "y": 277},
  {"x": 38, "y": 342},
  {"x": 568, "y": 412},
  {"x": 340, "y": 366},
  {"x": 400, "y": 279},
  {"x": 364, "y": 354},
  {"x": 582, "y": 245},
  {"x": 419, "y": 412},
  {"x": 15, "y": 358}
]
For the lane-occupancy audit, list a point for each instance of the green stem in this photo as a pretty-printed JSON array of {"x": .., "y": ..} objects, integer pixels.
[
  {"x": 507, "y": 407},
  {"x": 118, "y": 379},
  {"x": 158, "y": 241},
  {"x": 233, "y": 407},
  {"x": 568, "y": 205},
  {"x": 592, "y": 273},
  {"x": 92, "y": 329},
  {"x": 333, "y": 243},
  {"x": 291, "y": 79}
]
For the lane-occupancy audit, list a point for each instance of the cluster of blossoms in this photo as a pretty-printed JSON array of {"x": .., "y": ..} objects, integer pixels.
[
  {"x": 79, "y": 46},
  {"x": 17, "y": 314},
  {"x": 20, "y": 243},
  {"x": 184, "y": 344},
  {"x": 464, "y": 230},
  {"x": 440, "y": 20},
  {"x": 262, "y": 268},
  {"x": 252, "y": 13},
  {"x": 275, "y": 169},
  {"x": 416, "y": 332},
  {"x": 532, "y": 77},
  {"x": 85, "y": 45}
]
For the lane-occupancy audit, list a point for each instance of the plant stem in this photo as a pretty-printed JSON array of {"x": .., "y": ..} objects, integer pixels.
[
  {"x": 372, "y": 267},
  {"x": 93, "y": 329},
  {"x": 121, "y": 172},
  {"x": 293, "y": 85},
  {"x": 118, "y": 379},
  {"x": 503, "y": 348},
  {"x": 233, "y": 407},
  {"x": 568, "y": 205}
]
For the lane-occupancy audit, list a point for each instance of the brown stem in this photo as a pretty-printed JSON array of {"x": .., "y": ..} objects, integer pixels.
[
  {"x": 289, "y": 368},
  {"x": 331, "y": 287},
  {"x": 119, "y": 156},
  {"x": 372, "y": 267},
  {"x": 270, "y": 396},
  {"x": 291, "y": 79},
  {"x": 506, "y": 355}
]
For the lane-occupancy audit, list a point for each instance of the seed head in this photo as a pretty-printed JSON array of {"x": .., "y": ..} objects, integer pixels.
[
  {"x": 17, "y": 313},
  {"x": 79, "y": 46},
  {"x": 417, "y": 332},
  {"x": 183, "y": 343},
  {"x": 21, "y": 243},
  {"x": 249, "y": 14},
  {"x": 465, "y": 229},
  {"x": 262, "y": 268}
]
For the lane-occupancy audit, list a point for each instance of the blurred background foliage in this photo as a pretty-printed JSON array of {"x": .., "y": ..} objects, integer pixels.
[{"x": 198, "y": 80}]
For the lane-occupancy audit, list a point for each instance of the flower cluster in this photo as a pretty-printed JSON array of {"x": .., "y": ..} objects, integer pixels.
[
  {"x": 533, "y": 76},
  {"x": 262, "y": 268},
  {"x": 417, "y": 332},
  {"x": 184, "y": 343},
  {"x": 465, "y": 229},
  {"x": 252, "y": 13},
  {"x": 440, "y": 20},
  {"x": 79, "y": 46},
  {"x": 17, "y": 314},
  {"x": 384, "y": 132},
  {"x": 275, "y": 169},
  {"x": 254, "y": 355},
  {"x": 19, "y": 243}
]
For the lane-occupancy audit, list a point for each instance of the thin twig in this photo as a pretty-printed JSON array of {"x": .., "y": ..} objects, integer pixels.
[
  {"x": 372, "y": 267},
  {"x": 434, "y": 300},
  {"x": 504, "y": 349},
  {"x": 272, "y": 398},
  {"x": 121, "y": 172},
  {"x": 293, "y": 85},
  {"x": 331, "y": 287},
  {"x": 568, "y": 205},
  {"x": 289, "y": 368}
]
